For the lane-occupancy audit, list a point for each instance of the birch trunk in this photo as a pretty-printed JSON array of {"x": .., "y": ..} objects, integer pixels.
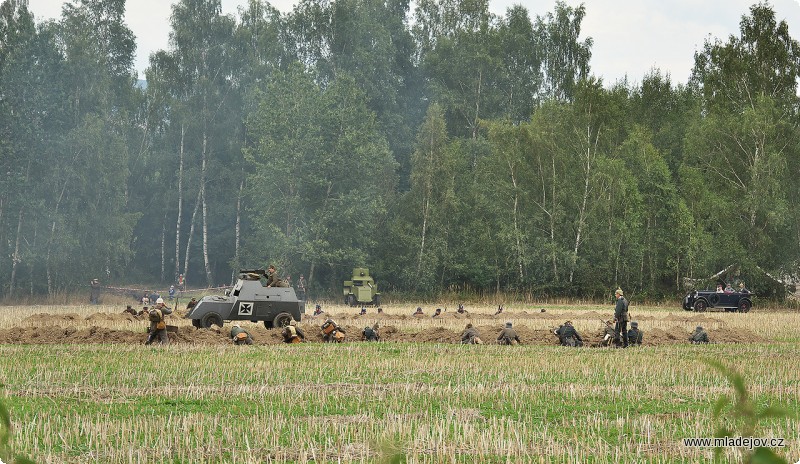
[
  {"x": 189, "y": 238},
  {"x": 237, "y": 229},
  {"x": 180, "y": 204},
  {"x": 206, "y": 262}
]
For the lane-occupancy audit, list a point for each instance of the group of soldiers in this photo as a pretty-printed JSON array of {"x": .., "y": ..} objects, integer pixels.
[{"x": 330, "y": 330}]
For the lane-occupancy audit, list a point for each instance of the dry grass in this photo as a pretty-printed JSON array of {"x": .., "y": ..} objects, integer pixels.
[{"x": 347, "y": 403}]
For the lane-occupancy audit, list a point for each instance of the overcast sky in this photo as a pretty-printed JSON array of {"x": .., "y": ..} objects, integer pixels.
[{"x": 630, "y": 36}]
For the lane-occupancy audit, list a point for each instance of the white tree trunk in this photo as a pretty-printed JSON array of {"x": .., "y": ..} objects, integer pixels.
[
  {"x": 180, "y": 205},
  {"x": 189, "y": 238}
]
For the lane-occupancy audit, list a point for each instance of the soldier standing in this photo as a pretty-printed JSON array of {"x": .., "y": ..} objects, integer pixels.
[
  {"x": 158, "y": 326},
  {"x": 621, "y": 317},
  {"x": 94, "y": 294},
  {"x": 508, "y": 336},
  {"x": 301, "y": 287}
]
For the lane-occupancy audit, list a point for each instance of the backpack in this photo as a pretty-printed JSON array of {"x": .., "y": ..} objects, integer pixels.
[
  {"x": 155, "y": 315},
  {"x": 292, "y": 331},
  {"x": 369, "y": 334}
]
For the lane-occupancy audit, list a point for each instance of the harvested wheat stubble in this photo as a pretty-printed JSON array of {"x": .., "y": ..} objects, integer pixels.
[{"x": 71, "y": 328}]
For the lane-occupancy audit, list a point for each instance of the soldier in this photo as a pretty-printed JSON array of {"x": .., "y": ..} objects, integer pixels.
[
  {"x": 129, "y": 310},
  {"x": 240, "y": 336},
  {"x": 470, "y": 336},
  {"x": 499, "y": 310},
  {"x": 191, "y": 304},
  {"x": 508, "y": 336},
  {"x": 370, "y": 334},
  {"x": 293, "y": 334},
  {"x": 609, "y": 334},
  {"x": 419, "y": 312},
  {"x": 621, "y": 317},
  {"x": 301, "y": 288},
  {"x": 363, "y": 311},
  {"x": 318, "y": 310},
  {"x": 635, "y": 335},
  {"x": 272, "y": 278},
  {"x": 158, "y": 326},
  {"x": 171, "y": 292},
  {"x": 94, "y": 295},
  {"x": 461, "y": 309},
  {"x": 699, "y": 336},
  {"x": 331, "y": 332},
  {"x": 437, "y": 313},
  {"x": 568, "y": 336}
]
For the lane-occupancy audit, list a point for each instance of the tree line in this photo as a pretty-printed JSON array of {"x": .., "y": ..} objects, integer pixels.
[{"x": 446, "y": 148}]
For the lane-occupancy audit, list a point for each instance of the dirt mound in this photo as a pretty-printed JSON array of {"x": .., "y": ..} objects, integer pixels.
[
  {"x": 693, "y": 318},
  {"x": 61, "y": 329}
]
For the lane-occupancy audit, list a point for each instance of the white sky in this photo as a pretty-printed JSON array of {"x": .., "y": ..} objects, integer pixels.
[{"x": 630, "y": 36}]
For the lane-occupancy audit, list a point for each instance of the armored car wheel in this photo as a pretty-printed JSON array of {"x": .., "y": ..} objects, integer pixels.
[
  {"x": 210, "y": 319},
  {"x": 744, "y": 306},
  {"x": 376, "y": 301},
  {"x": 282, "y": 320},
  {"x": 700, "y": 306},
  {"x": 350, "y": 300}
]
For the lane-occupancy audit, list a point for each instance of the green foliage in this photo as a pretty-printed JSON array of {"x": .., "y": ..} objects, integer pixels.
[
  {"x": 463, "y": 152},
  {"x": 6, "y": 452},
  {"x": 740, "y": 416}
]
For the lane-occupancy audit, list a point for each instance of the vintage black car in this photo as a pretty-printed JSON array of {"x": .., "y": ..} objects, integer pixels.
[
  {"x": 701, "y": 300},
  {"x": 249, "y": 300}
]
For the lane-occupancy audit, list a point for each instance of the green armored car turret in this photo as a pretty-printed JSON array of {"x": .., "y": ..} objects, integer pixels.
[{"x": 361, "y": 289}]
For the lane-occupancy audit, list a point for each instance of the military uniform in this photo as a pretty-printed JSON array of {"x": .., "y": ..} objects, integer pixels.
[
  {"x": 158, "y": 327},
  {"x": 699, "y": 336},
  {"x": 609, "y": 335},
  {"x": 508, "y": 336},
  {"x": 635, "y": 335},
  {"x": 622, "y": 318},
  {"x": 301, "y": 288},
  {"x": 292, "y": 334},
  {"x": 568, "y": 336},
  {"x": 331, "y": 332},
  {"x": 274, "y": 281},
  {"x": 240, "y": 336},
  {"x": 370, "y": 334},
  {"x": 470, "y": 336}
]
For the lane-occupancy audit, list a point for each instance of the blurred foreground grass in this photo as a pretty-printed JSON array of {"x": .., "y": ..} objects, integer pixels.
[{"x": 349, "y": 403}]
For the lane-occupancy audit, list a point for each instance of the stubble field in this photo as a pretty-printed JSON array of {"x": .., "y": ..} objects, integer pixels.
[{"x": 80, "y": 387}]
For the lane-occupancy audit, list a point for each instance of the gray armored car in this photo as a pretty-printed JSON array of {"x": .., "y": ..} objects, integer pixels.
[{"x": 249, "y": 300}]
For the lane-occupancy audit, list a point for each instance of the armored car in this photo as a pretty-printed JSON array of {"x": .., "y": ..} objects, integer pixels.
[{"x": 249, "y": 300}]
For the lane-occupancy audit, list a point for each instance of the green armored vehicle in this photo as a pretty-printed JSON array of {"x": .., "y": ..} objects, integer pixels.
[{"x": 361, "y": 289}]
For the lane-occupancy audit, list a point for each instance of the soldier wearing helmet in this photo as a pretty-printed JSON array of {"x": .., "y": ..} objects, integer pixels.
[
  {"x": 508, "y": 336},
  {"x": 240, "y": 336},
  {"x": 293, "y": 334}
]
